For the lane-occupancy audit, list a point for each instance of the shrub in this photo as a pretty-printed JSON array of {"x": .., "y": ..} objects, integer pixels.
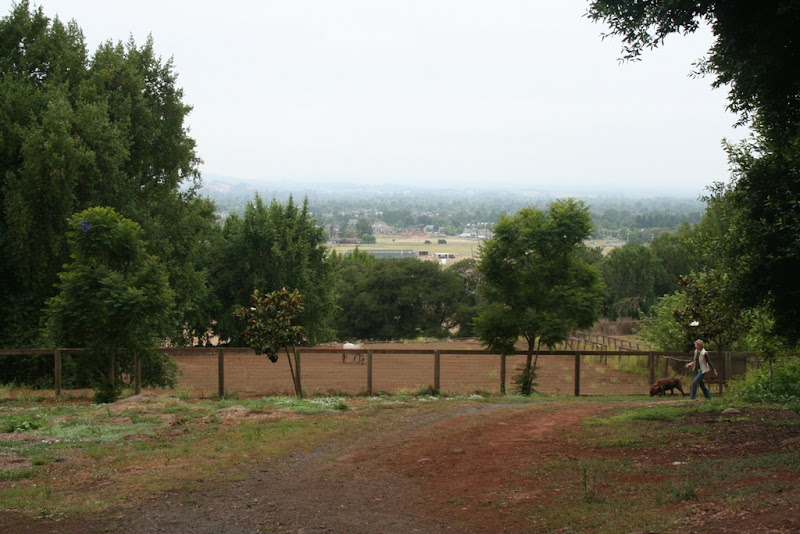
[
  {"x": 19, "y": 423},
  {"x": 780, "y": 383}
]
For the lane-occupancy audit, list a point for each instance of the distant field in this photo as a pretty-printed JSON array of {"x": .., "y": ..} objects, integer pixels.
[{"x": 460, "y": 247}]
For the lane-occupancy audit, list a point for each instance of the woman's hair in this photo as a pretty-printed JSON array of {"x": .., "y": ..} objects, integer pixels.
[{"x": 699, "y": 342}]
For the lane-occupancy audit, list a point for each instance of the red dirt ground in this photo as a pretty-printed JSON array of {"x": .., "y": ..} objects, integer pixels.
[{"x": 431, "y": 473}]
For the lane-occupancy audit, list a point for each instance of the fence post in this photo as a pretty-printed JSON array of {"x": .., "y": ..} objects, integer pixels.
[
  {"x": 221, "y": 372},
  {"x": 369, "y": 372},
  {"x": 651, "y": 366},
  {"x": 299, "y": 385},
  {"x": 728, "y": 366},
  {"x": 57, "y": 363},
  {"x": 502, "y": 374},
  {"x": 137, "y": 373},
  {"x": 577, "y": 374},
  {"x": 436, "y": 371}
]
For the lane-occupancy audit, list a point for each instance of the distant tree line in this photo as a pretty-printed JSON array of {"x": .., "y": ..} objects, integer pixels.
[{"x": 450, "y": 213}]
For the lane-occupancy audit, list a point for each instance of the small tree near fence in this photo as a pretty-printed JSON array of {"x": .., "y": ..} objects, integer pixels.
[
  {"x": 272, "y": 326},
  {"x": 111, "y": 296}
]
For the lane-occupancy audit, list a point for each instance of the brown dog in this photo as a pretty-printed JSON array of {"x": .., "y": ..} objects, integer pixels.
[{"x": 663, "y": 384}]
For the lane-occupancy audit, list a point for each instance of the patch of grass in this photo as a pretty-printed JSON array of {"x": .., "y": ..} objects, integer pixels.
[
  {"x": 594, "y": 493},
  {"x": 765, "y": 462},
  {"x": 27, "y": 397},
  {"x": 18, "y": 474},
  {"x": 683, "y": 490},
  {"x": 428, "y": 391},
  {"x": 305, "y": 406},
  {"x": 98, "y": 433},
  {"x": 597, "y": 494}
]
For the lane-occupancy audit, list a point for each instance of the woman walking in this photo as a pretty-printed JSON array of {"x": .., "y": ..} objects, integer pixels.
[{"x": 701, "y": 364}]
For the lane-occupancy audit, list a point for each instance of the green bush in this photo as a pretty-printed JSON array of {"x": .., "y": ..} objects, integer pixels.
[
  {"x": 19, "y": 422},
  {"x": 524, "y": 383},
  {"x": 782, "y": 386}
]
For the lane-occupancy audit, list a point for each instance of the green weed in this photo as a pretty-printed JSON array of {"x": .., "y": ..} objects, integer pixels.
[
  {"x": 18, "y": 474},
  {"x": 683, "y": 490},
  {"x": 20, "y": 422}
]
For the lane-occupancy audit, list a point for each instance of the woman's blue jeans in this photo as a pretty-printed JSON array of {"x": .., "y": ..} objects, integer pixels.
[{"x": 698, "y": 381}]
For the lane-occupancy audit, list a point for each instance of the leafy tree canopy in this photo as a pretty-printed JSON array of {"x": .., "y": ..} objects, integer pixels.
[
  {"x": 536, "y": 283},
  {"x": 756, "y": 55},
  {"x": 272, "y": 325},
  {"x": 112, "y": 294},
  {"x": 81, "y": 131},
  {"x": 660, "y": 328},
  {"x": 630, "y": 274},
  {"x": 395, "y": 298},
  {"x": 709, "y": 311}
]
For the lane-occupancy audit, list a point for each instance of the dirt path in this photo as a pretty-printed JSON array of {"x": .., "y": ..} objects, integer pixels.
[{"x": 436, "y": 473}]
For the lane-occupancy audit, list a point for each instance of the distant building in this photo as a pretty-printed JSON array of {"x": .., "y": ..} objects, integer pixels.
[{"x": 389, "y": 253}]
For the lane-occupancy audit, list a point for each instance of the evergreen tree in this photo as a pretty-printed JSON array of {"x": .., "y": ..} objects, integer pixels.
[{"x": 272, "y": 247}]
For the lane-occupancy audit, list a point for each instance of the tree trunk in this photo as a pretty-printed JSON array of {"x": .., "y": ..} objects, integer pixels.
[
  {"x": 527, "y": 384},
  {"x": 111, "y": 370},
  {"x": 297, "y": 391},
  {"x": 536, "y": 361}
]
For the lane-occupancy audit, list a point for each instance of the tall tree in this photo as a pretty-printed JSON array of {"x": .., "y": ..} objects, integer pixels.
[
  {"x": 630, "y": 274},
  {"x": 81, "y": 131},
  {"x": 709, "y": 311},
  {"x": 537, "y": 284},
  {"x": 271, "y": 247},
  {"x": 661, "y": 329},
  {"x": 756, "y": 55},
  {"x": 761, "y": 251},
  {"x": 471, "y": 303},
  {"x": 677, "y": 254}
]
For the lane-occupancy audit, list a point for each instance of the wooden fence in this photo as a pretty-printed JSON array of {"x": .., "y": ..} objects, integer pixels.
[
  {"x": 592, "y": 341},
  {"x": 222, "y": 371}
]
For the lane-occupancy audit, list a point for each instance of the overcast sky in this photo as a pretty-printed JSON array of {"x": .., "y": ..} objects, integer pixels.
[{"x": 519, "y": 92}]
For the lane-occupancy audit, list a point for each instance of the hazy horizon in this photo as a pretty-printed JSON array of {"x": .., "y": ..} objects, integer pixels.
[
  {"x": 211, "y": 181},
  {"x": 516, "y": 93}
]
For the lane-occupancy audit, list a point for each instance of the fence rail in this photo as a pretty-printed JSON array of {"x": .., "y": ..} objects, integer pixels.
[{"x": 221, "y": 371}]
